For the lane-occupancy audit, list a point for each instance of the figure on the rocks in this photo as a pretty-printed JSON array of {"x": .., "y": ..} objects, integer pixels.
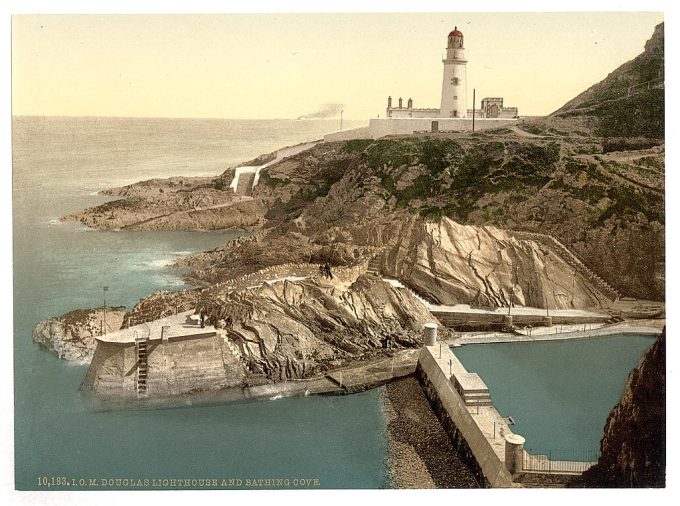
[{"x": 203, "y": 313}]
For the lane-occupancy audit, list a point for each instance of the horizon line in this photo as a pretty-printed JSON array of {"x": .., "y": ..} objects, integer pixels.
[
  {"x": 180, "y": 117},
  {"x": 83, "y": 116}
]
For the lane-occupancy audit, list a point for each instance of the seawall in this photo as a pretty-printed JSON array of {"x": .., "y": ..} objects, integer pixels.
[
  {"x": 179, "y": 366},
  {"x": 476, "y": 431}
]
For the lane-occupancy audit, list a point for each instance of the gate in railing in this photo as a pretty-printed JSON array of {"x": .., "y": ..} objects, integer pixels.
[{"x": 560, "y": 461}]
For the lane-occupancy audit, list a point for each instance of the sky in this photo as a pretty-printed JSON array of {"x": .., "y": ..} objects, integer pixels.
[{"x": 287, "y": 65}]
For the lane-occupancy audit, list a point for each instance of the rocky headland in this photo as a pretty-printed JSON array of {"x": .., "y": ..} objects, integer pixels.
[
  {"x": 349, "y": 201},
  {"x": 297, "y": 329},
  {"x": 563, "y": 212}
]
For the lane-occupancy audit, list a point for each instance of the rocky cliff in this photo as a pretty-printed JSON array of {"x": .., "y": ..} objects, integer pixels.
[
  {"x": 280, "y": 330},
  {"x": 342, "y": 202},
  {"x": 298, "y": 329},
  {"x": 452, "y": 263},
  {"x": 634, "y": 443},
  {"x": 72, "y": 335}
]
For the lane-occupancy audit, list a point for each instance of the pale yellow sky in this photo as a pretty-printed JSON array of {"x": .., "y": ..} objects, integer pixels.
[{"x": 286, "y": 65}]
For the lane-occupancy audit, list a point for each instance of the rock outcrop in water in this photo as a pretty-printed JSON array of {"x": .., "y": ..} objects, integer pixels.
[
  {"x": 634, "y": 443},
  {"x": 72, "y": 335}
]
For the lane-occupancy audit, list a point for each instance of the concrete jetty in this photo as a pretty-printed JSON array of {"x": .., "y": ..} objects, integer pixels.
[
  {"x": 178, "y": 326},
  {"x": 580, "y": 331}
]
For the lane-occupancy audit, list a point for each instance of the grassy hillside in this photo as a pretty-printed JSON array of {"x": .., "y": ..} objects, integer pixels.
[
  {"x": 630, "y": 101},
  {"x": 607, "y": 206}
]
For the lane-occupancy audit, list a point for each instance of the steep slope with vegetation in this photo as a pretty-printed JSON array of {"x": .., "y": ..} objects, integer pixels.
[
  {"x": 630, "y": 101},
  {"x": 345, "y": 201}
]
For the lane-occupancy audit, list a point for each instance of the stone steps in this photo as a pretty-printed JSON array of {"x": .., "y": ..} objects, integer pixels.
[
  {"x": 374, "y": 265},
  {"x": 571, "y": 259},
  {"x": 245, "y": 183},
  {"x": 477, "y": 399}
]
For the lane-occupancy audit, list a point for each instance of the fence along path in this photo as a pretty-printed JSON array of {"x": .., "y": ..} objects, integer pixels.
[{"x": 566, "y": 461}]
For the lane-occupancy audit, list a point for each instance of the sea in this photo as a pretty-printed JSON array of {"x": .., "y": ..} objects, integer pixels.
[{"x": 59, "y": 165}]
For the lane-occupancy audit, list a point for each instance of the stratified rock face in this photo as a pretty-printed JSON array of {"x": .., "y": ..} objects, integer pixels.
[
  {"x": 299, "y": 329},
  {"x": 281, "y": 330},
  {"x": 634, "y": 442},
  {"x": 454, "y": 263},
  {"x": 72, "y": 335}
]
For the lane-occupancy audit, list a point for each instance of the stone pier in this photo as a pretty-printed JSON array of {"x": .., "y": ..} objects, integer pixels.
[
  {"x": 483, "y": 439},
  {"x": 461, "y": 402}
]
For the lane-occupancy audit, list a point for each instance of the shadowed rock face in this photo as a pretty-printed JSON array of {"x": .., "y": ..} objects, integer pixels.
[{"x": 634, "y": 442}]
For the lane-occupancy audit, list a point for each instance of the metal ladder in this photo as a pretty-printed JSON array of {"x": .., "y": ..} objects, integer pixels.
[{"x": 142, "y": 352}]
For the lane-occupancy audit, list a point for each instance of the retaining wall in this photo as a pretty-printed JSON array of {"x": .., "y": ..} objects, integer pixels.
[
  {"x": 380, "y": 127},
  {"x": 179, "y": 366}
]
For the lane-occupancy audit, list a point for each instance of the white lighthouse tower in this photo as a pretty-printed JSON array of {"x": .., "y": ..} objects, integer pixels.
[{"x": 454, "y": 96}]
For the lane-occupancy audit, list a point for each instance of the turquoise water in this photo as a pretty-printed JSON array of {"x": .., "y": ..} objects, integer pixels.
[
  {"x": 558, "y": 393},
  {"x": 58, "y": 164}
]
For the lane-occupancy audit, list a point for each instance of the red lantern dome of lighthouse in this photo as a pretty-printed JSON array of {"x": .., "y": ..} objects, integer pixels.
[{"x": 456, "y": 32}]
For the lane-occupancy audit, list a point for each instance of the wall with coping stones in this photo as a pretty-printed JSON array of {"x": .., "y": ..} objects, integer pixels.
[
  {"x": 471, "y": 443},
  {"x": 497, "y": 321}
]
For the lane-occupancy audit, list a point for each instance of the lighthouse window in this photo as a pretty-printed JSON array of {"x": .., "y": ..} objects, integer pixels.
[
  {"x": 455, "y": 97},
  {"x": 455, "y": 80},
  {"x": 455, "y": 114}
]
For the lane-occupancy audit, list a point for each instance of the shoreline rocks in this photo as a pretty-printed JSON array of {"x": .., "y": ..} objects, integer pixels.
[{"x": 71, "y": 336}]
